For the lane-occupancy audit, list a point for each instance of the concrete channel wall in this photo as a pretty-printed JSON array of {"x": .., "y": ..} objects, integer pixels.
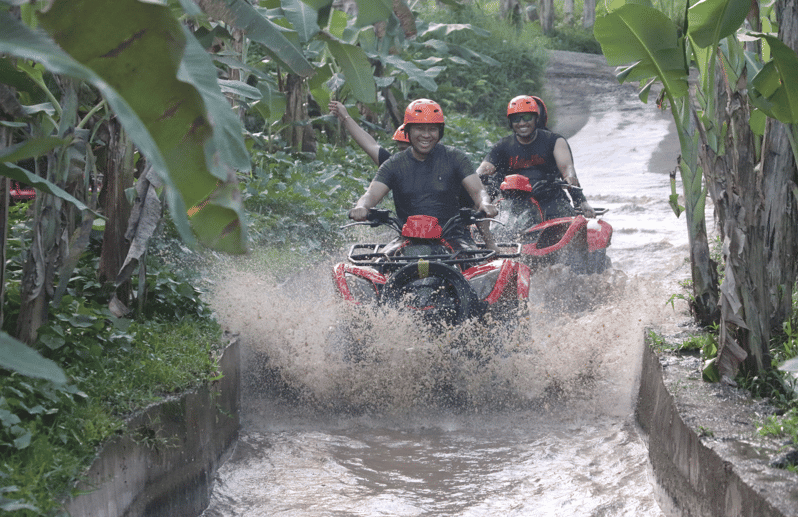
[
  {"x": 704, "y": 466},
  {"x": 706, "y": 456},
  {"x": 166, "y": 464}
]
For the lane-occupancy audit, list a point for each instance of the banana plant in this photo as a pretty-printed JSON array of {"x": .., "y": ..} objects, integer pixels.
[
  {"x": 716, "y": 134},
  {"x": 647, "y": 47}
]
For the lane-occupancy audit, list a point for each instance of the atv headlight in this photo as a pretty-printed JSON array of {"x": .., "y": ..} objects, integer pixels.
[
  {"x": 484, "y": 282},
  {"x": 362, "y": 290}
]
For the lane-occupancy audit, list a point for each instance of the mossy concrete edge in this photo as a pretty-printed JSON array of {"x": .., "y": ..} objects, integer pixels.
[
  {"x": 698, "y": 471},
  {"x": 166, "y": 464}
]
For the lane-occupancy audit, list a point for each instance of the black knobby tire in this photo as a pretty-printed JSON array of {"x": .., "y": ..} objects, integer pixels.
[
  {"x": 438, "y": 291},
  {"x": 598, "y": 261}
]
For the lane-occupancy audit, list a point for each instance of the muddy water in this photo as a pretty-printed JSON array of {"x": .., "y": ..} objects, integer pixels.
[{"x": 539, "y": 422}]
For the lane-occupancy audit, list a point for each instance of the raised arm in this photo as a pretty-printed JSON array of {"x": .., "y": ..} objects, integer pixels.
[{"x": 360, "y": 135}]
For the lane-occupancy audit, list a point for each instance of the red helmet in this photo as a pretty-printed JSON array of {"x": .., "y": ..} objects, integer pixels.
[
  {"x": 523, "y": 104},
  {"x": 400, "y": 135},
  {"x": 423, "y": 111}
]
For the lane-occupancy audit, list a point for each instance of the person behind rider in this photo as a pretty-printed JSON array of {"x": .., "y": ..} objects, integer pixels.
[
  {"x": 376, "y": 152},
  {"x": 538, "y": 154},
  {"x": 426, "y": 179}
]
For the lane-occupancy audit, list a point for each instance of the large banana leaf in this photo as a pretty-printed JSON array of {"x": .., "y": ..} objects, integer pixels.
[
  {"x": 242, "y": 15},
  {"x": 373, "y": 11},
  {"x": 356, "y": 68},
  {"x": 303, "y": 18},
  {"x": 162, "y": 86},
  {"x": 709, "y": 21},
  {"x": 647, "y": 42},
  {"x": 16, "y": 356},
  {"x": 776, "y": 84}
]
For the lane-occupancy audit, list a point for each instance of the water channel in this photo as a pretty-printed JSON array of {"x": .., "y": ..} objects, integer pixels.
[{"x": 545, "y": 427}]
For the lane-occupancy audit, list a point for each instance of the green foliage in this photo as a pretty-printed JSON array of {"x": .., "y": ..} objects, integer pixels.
[
  {"x": 49, "y": 433},
  {"x": 781, "y": 426},
  {"x": 573, "y": 38},
  {"x": 482, "y": 90}
]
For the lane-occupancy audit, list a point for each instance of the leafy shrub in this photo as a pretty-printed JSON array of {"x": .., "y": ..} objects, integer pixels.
[
  {"x": 573, "y": 38},
  {"x": 479, "y": 89}
]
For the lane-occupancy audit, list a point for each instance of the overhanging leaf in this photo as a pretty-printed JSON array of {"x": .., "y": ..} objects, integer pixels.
[
  {"x": 444, "y": 29},
  {"x": 709, "y": 21},
  {"x": 777, "y": 82},
  {"x": 175, "y": 94},
  {"x": 30, "y": 148},
  {"x": 244, "y": 16},
  {"x": 16, "y": 356},
  {"x": 17, "y": 173},
  {"x": 356, "y": 68},
  {"x": 639, "y": 34},
  {"x": 370, "y": 12},
  {"x": 303, "y": 18},
  {"x": 239, "y": 88}
]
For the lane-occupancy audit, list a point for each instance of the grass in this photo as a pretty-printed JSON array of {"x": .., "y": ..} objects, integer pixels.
[
  {"x": 49, "y": 434},
  {"x": 776, "y": 386}
]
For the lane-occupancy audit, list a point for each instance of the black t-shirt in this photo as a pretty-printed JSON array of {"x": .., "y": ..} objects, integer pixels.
[
  {"x": 430, "y": 187},
  {"x": 382, "y": 155},
  {"x": 465, "y": 197},
  {"x": 534, "y": 160}
]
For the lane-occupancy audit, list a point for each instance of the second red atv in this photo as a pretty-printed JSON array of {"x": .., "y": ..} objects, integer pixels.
[{"x": 574, "y": 241}]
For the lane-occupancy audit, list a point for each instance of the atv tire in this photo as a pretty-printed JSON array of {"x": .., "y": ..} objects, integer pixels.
[
  {"x": 598, "y": 262},
  {"x": 438, "y": 291}
]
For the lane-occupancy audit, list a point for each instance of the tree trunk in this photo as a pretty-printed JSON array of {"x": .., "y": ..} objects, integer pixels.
[
  {"x": 704, "y": 305},
  {"x": 758, "y": 211},
  {"x": 589, "y": 14},
  {"x": 118, "y": 178},
  {"x": 568, "y": 10},
  {"x": 547, "y": 16},
  {"x": 300, "y": 133},
  {"x": 509, "y": 9}
]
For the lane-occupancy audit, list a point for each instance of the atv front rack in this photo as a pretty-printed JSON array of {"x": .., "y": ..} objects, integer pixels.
[{"x": 374, "y": 254}]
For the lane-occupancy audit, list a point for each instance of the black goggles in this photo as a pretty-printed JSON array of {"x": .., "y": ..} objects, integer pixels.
[{"x": 515, "y": 118}]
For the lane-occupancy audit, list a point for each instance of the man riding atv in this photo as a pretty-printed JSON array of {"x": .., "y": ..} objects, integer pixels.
[
  {"x": 427, "y": 178},
  {"x": 538, "y": 154}
]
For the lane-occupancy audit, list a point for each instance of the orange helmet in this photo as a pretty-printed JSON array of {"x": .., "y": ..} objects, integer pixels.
[
  {"x": 523, "y": 104},
  {"x": 400, "y": 135},
  {"x": 423, "y": 111}
]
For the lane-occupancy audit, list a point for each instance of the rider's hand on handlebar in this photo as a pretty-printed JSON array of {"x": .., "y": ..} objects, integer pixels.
[
  {"x": 489, "y": 209},
  {"x": 587, "y": 210},
  {"x": 359, "y": 213}
]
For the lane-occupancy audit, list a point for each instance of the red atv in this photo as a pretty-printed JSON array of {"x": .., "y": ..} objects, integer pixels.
[
  {"x": 424, "y": 272},
  {"x": 575, "y": 241},
  {"x": 19, "y": 192}
]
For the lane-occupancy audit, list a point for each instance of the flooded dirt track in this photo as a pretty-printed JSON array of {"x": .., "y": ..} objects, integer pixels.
[{"x": 533, "y": 418}]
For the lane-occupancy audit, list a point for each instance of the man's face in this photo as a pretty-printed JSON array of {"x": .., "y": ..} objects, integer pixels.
[
  {"x": 524, "y": 124},
  {"x": 423, "y": 138}
]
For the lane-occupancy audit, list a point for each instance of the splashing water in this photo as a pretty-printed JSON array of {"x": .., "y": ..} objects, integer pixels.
[{"x": 352, "y": 412}]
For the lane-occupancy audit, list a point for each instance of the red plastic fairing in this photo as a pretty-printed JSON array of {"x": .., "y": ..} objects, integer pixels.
[
  {"x": 422, "y": 227},
  {"x": 522, "y": 281},
  {"x": 516, "y": 182},
  {"x": 19, "y": 193},
  {"x": 506, "y": 270},
  {"x": 599, "y": 239},
  {"x": 339, "y": 277},
  {"x": 579, "y": 223}
]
